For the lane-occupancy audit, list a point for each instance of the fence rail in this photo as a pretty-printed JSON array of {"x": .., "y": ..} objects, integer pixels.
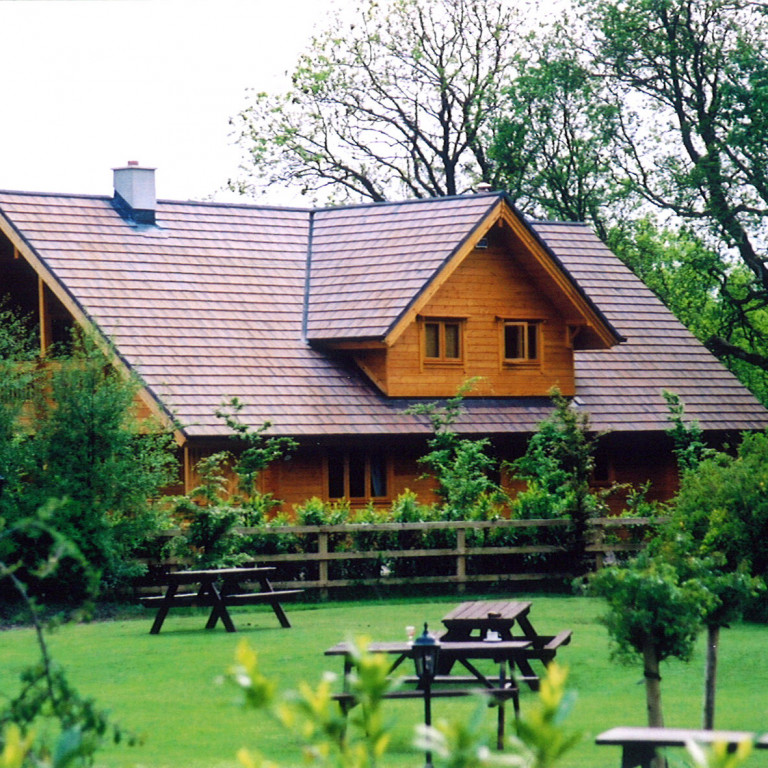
[{"x": 460, "y": 553}]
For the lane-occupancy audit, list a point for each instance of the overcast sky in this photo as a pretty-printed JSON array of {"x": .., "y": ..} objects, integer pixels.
[{"x": 89, "y": 84}]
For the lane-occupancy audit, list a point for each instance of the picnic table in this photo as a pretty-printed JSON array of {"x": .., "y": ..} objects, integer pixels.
[
  {"x": 499, "y": 686},
  {"x": 218, "y": 588},
  {"x": 483, "y": 619},
  {"x": 639, "y": 744}
]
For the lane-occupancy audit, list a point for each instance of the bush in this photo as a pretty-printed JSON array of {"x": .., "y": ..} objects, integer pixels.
[{"x": 82, "y": 445}]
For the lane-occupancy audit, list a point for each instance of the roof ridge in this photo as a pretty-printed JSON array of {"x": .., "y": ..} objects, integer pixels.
[
  {"x": 551, "y": 222},
  {"x": 165, "y": 201},
  {"x": 409, "y": 201}
]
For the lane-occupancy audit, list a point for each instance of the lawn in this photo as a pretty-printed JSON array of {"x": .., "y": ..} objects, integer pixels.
[{"x": 168, "y": 687}]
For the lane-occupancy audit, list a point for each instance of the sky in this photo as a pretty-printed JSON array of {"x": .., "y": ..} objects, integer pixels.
[{"x": 88, "y": 85}]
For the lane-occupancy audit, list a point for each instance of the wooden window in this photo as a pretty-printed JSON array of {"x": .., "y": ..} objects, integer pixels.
[
  {"x": 521, "y": 341},
  {"x": 443, "y": 341},
  {"x": 357, "y": 475}
]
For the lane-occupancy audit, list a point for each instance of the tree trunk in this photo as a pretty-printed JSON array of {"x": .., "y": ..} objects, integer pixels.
[
  {"x": 653, "y": 692},
  {"x": 710, "y": 679}
]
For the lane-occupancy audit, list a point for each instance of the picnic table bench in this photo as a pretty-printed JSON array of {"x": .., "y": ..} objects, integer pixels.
[
  {"x": 218, "y": 588},
  {"x": 481, "y": 619},
  {"x": 639, "y": 744},
  {"x": 498, "y": 687}
]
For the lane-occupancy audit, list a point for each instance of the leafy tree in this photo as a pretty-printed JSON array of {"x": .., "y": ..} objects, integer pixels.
[
  {"x": 690, "y": 81},
  {"x": 461, "y": 465},
  {"x": 211, "y": 510},
  {"x": 257, "y": 451},
  {"x": 557, "y": 467},
  {"x": 553, "y": 142},
  {"x": 398, "y": 100},
  {"x": 688, "y": 438},
  {"x": 83, "y": 445},
  {"x": 652, "y": 615},
  {"x": 723, "y": 504}
]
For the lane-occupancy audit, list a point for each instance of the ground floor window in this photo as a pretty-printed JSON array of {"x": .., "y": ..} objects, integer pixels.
[{"x": 357, "y": 475}]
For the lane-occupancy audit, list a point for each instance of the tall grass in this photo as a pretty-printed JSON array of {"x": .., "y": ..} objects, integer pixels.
[{"x": 168, "y": 687}]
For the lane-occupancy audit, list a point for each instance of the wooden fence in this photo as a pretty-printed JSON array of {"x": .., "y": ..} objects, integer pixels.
[{"x": 460, "y": 553}]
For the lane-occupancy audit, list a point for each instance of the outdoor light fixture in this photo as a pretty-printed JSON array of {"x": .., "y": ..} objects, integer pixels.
[{"x": 425, "y": 651}]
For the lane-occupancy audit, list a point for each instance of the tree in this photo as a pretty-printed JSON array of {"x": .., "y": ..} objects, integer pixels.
[
  {"x": 731, "y": 590},
  {"x": 557, "y": 468},
  {"x": 461, "y": 466},
  {"x": 691, "y": 81},
  {"x": 81, "y": 443},
  {"x": 553, "y": 141},
  {"x": 652, "y": 615},
  {"x": 723, "y": 505},
  {"x": 398, "y": 101}
]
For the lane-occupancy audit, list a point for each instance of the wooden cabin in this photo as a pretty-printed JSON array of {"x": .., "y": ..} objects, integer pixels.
[{"x": 330, "y": 322}]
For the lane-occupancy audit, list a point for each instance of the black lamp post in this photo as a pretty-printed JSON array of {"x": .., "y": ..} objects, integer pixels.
[
  {"x": 425, "y": 652},
  {"x": 2, "y": 484}
]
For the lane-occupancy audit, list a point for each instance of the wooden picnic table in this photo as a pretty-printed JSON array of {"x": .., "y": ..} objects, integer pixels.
[
  {"x": 500, "y": 686},
  {"x": 218, "y": 588},
  {"x": 639, "y": 744},
  {"x": 479, "y": 619}
]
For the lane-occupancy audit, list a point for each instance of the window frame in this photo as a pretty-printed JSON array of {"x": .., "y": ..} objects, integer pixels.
[
  {"x": 528, "y": 327},
  {"x": 442, "y": 340},
  {"x": 346, "y": 457}
]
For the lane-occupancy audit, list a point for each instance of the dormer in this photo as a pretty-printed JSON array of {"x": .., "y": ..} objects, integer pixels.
[{"x": 426, "y": 297}]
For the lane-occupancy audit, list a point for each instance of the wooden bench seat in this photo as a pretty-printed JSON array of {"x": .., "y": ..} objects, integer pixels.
[
  {"x": 249, "y": 598},
  {"x": 246, "y": 598},
  {"x": 639, "y": 744}
]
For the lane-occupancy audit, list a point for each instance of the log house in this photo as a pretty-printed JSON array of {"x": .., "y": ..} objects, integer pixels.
[{"x": 330, "y": 322}]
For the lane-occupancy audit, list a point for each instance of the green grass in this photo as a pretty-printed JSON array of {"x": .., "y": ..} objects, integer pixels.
[{"x": 167, "y": 686}]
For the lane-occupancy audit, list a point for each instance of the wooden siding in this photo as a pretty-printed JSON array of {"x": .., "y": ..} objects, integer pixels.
[
  {"x": 487, "y": 288},
  {"x": 626, "y": 459}
]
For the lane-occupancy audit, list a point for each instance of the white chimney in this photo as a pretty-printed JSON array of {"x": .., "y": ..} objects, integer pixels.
[{"x": 135, "y": 196}]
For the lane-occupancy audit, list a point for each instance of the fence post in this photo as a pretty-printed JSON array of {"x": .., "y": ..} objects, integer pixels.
[
  {"x": 322, "y": 549},
  {"x": 461, "y": 559},
  {"x": 598, "y": 538}
]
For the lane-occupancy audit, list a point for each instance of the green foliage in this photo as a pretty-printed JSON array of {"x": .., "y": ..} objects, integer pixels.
[
  {"x": 18, "y": 335},
  {"x": 553, "y": 143},
  {"x": 689, "y": 81},
  {"x": 362, "y": 739},
  {"x": 47, "y": 722},
  {"x": 557, "y": 466},
  {"x": 690, "y": 447},
  {"x": 210, "y": 512},
  {"x": 723, "y": 504},
  {"x": 83, "y": 445},
  {"x": 258, "y": 450},
  {"x": 461, "y": 466},
  {"x": 312, "y": 712},
  {"x": 650, "y": 605}
]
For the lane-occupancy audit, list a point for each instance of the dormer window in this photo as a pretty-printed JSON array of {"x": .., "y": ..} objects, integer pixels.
[
  {"x": 521, "y": 341},
  {"x": 443, "y": 340}
]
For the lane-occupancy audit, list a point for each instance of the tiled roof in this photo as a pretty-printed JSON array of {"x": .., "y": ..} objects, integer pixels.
[
  {"x": 623, "y": 385},
  {"x": 368, "y": 263},
  {"x": 209, "y": 305}
]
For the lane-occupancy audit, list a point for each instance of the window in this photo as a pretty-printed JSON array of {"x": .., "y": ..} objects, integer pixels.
[
  {"x": 442, "y": 341},
  {"x": 357, "y": 475},
  {"x": 521, "y": 341}
]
